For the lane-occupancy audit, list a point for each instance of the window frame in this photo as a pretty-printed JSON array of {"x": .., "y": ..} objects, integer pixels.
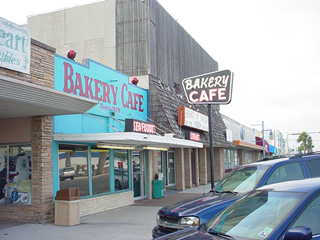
[
  {"x": 276, "y": 167},
  {"x": 309, "y": 167},
  {"x": 90, "y": 176}
]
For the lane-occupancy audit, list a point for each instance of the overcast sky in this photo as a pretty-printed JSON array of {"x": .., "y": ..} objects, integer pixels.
[{"x": 272, "y": 46}]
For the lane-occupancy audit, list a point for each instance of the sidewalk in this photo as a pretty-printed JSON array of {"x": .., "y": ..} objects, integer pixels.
[{"x": 133, "y": 222}]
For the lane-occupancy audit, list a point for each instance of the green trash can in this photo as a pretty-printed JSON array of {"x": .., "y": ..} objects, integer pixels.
[{"x": 157, "y": 189}]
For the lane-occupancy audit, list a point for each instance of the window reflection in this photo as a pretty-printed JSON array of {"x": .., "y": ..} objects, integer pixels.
[
  {"x": 100, "y": 160},
  {"x": 73, "y": 168},
  {"x": 121, "y": 173}
]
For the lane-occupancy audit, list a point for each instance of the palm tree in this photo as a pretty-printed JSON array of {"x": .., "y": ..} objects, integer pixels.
[
  {"x": 305, "y": 143},
  {"x": 309, "y": 145}
]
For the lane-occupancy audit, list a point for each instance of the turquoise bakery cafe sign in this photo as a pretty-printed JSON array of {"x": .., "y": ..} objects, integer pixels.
[{"x": 15, "y": 44}]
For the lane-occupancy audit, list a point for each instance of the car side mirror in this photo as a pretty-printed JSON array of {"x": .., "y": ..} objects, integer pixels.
[{"x": 298, "y": 233}]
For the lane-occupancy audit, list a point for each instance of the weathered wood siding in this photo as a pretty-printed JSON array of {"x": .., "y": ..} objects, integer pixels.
[{"x": 150, "y": 42}]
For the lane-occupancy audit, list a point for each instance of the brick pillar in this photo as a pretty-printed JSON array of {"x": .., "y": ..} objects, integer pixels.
[
  {"x": 241, "y": 157},
  {"x": 203, "y": 166},
  {"x": 256, "y": 155},
  {"x": 180, "y": 178},
  {"x": 188, "y": 166},
  {"x": 197, "y": 166},
  {"x": 42, "y": 189},
  {"x": 218, "y": 163}
]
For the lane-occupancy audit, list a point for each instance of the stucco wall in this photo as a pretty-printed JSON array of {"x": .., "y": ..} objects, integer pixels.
[
  {"x": 103, "y": 203},
  {"x": 17, "y": 130},
  {"x": 88, "y": 29}
]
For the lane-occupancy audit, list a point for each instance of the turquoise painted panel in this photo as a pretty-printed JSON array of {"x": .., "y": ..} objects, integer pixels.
[
  {"x": 55, "y": 167},
  {"x": 117, "y": 97},
  {"x": 68, "y": 124},
  {"x": 81, "y": 123},
  {"x": 94, "y": 124}
]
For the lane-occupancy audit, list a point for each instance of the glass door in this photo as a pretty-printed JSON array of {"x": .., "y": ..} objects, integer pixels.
[
  {"x": 138, "y": 174},
  {"x": 171, "y": 169}
]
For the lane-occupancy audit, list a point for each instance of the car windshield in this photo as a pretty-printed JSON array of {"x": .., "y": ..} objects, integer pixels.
[
  {"x": 242, "y": 180},
  {"x": 255, "y": 216}
]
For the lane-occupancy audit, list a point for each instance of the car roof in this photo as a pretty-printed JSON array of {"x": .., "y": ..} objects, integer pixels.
[
  {"x": 267, "y": 163},
  {"x": 300, "y": 157},
  {"x": 306, "y": 185}
]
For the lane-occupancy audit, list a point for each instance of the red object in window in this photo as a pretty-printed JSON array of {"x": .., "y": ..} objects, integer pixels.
[
  {"x": 120, "y": 164},
  {"x": 71, "y": 54},
  {"x": 135, "y": 81}
]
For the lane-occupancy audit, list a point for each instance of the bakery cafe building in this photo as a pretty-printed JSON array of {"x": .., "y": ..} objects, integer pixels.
[
  {"x": 110, "y": 151},
  {"x": 64, "y": 124}
]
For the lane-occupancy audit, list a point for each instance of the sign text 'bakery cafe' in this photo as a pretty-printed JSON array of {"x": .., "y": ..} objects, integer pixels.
[{"x": 97, "y": 82}]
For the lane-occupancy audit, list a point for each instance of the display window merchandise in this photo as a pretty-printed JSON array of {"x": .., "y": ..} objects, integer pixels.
[{"x": 15, "y": 174}]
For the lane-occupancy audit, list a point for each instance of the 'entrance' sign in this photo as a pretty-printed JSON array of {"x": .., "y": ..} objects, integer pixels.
[{"x": 209, "y": 88}]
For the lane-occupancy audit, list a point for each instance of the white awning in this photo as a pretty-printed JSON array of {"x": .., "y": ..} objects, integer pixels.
[
  {"x": 129, "y": 139},
  {"x": 23, "y": 99}
]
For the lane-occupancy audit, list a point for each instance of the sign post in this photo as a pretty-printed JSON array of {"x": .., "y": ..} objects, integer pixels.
[{"x": 213, "y": 88}]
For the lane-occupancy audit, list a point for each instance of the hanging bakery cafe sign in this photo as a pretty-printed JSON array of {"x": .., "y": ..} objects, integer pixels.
[{"x": 210, "y": 88}]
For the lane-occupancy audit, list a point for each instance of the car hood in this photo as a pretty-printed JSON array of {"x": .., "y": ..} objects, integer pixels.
[
  {"x": 195, "y": 206},
  {"x": 188, "y": 234}
]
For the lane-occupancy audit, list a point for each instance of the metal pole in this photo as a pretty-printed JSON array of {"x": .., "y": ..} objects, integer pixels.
[
  {"x": 211, "y": 148},
  {"x": 264, "y": 153}
]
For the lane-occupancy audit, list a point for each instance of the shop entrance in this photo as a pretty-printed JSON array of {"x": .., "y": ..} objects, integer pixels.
[
  {"x": 138, "y": 166},
  {"x": 168, "y": 168}
]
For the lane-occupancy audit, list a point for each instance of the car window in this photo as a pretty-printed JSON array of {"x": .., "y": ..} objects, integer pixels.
[
  {"x": 314, "y": 166},
  {"x": 310, "y": 217},
  {"x": 288, "y": 172},
  {"x": 242, "y": 180},
  {"x": 257, "y": 215}
]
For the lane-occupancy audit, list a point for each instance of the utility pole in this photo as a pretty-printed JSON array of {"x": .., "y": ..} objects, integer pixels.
[{"x": 211, "y": 147}]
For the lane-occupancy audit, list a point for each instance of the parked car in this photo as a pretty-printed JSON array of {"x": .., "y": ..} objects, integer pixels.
[
  {"x": 287, "y": 210},
  {"x": 66, "y": 173},
  {"x": 246, "y": 178}
]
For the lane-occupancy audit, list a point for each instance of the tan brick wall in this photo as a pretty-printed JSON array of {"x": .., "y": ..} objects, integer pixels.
[
  {"x": 41, "y": 209},
  {"x": 197, "y": 177},
  {"x": 103, "y": 203},
  {"x": 218, "y": 163},
  {"x": 41, "y": 68},
  {"x": 203, "y": 166},
  {"x": 180, "y": 175},
  {"x": 187, "y": 165}
]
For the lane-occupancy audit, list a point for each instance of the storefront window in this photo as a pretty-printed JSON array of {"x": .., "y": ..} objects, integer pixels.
[
  {"x": 121, "y": 172},
  {"x": 73, "y": 168},
  {"x": 171, "y": 169},
  {"x": 231, "y": 160},
  {"x": 15, "y": 174},
  {"x": 100, "y": 162}
]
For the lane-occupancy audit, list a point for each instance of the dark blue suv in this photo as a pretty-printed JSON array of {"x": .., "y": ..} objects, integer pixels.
[
  {"x": 196, "y": 212},
  {"x": 286, "y": 211}
]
